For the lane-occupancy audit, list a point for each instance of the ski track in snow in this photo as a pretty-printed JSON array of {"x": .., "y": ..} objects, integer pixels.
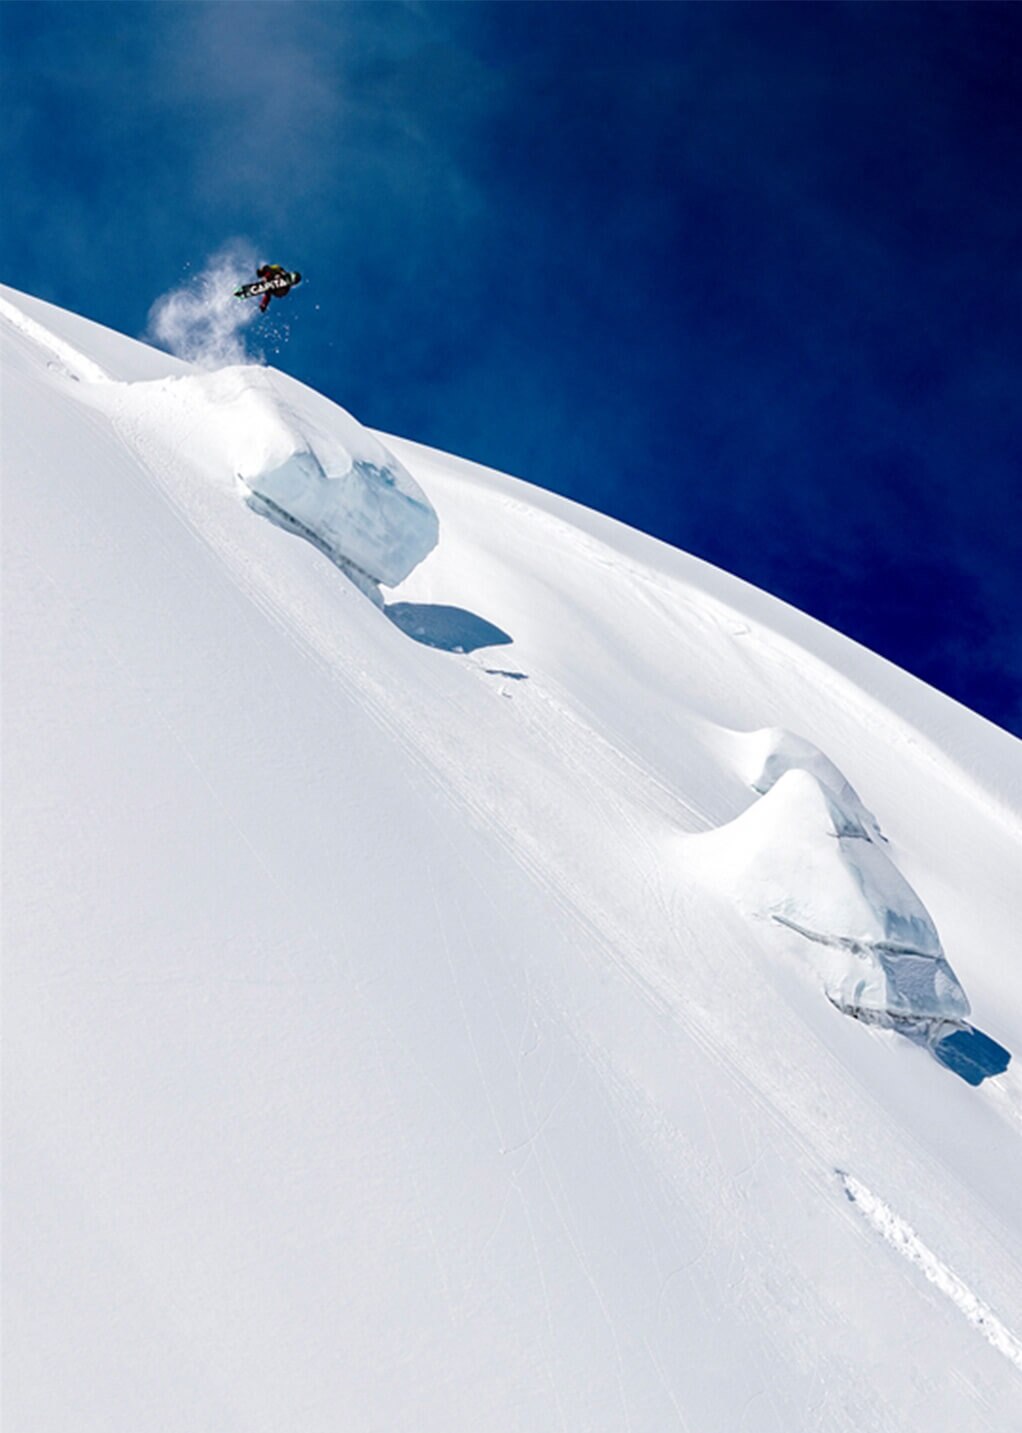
[{"x": 901, "y": 1236}]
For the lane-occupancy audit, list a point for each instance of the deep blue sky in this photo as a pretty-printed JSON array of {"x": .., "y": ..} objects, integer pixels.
[{"x": 748, "y": 277}]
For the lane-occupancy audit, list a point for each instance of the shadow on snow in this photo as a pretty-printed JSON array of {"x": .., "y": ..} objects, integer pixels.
[
  {"x": 451, "y": 629},
  {"x": 971, "y": 1055}
]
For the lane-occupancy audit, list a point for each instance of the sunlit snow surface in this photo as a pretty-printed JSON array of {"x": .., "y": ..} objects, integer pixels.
[{"x": 436, "y": 1016}]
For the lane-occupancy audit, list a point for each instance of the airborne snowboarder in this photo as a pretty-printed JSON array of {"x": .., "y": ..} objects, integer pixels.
[{"x": 273, "y": 281}]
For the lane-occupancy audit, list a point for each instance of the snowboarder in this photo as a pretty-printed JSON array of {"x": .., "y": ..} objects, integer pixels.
[
  {"x": 273, "y": 279},
  {"x": 276, "y": 271}
]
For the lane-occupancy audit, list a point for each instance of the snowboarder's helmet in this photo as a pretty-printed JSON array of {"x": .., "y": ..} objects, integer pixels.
[{"x": 296, "y": 277}]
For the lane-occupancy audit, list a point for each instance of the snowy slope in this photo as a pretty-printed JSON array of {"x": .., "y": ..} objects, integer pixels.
[{"x": 400, "y": 1028}]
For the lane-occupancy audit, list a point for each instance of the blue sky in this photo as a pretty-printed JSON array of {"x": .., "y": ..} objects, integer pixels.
[{"x": 748, "y": 277}]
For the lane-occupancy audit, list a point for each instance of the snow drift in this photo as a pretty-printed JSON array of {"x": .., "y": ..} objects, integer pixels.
[
  {"x": 337, "y": 486},
  {"x": 806, "y": 860},
  {"x": 810, "y": 857},
  {"x": 316, "y": 472},
  {"x": 763, "y": 757}
]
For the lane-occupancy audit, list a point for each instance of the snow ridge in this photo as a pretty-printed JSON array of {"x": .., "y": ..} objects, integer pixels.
[
  {"x": 67, "y": 358},
  {"x": 331, "y": 482},
  {"x": 808, "y": 856},
  {"x": 901, "y": 1236}
]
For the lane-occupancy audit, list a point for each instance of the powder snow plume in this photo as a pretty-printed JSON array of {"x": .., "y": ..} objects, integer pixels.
[{"x": 201, "y": 320}]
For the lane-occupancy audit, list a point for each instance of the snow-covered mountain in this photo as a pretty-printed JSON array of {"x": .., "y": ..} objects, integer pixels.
[{"x": 567, "y": 990}]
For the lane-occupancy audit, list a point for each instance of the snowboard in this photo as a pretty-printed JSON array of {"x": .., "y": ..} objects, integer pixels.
[{"x": 267, "y": 286}]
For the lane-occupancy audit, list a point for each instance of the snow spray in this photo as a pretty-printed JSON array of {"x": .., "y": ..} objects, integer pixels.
[{"x": 200, "y": 320}]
